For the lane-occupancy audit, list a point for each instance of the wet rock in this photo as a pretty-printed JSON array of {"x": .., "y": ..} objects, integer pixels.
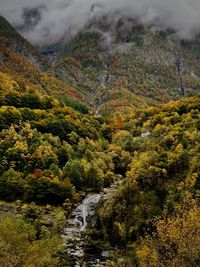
[{"x": 81, "y": 219}]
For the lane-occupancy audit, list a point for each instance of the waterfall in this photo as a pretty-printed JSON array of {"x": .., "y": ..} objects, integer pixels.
[
  {"x": 76, "y": 225},
  {"x": 88, "y": 207},
  {"x": 79, "y": 221}
]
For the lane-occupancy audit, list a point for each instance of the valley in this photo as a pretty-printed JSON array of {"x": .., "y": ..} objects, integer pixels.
[{"x": 100, "y": 147}]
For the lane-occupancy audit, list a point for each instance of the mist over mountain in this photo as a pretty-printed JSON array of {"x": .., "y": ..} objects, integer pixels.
[{"x": 48, "y": 21}]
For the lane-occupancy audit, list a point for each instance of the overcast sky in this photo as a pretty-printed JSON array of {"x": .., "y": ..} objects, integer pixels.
[{"x": 56, "y": 17}]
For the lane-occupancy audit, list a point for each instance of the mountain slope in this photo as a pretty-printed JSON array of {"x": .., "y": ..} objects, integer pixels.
[
  {"x": 138, "y": 61},
  {"x": 23, "y": 68},
  {"x": 13, "y": 40},
  {"x": 119, "y": 65}
]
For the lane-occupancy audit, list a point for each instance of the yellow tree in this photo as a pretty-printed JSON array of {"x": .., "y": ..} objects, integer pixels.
[{"x": 176, "y": 241}]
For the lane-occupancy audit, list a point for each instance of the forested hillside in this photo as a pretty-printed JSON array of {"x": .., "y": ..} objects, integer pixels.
[{"x": 159, "y": 198}]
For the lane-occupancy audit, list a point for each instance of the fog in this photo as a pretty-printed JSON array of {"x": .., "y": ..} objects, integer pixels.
[{"x": 48, "y": 20}]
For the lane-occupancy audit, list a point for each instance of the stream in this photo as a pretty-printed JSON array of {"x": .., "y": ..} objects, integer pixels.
[{"x": 81, "y": 219}]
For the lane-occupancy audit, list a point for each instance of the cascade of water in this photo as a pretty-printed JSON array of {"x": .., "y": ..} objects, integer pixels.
[
  {"x": 88, "y": 207},
  {"x": 78, "y": 222}
]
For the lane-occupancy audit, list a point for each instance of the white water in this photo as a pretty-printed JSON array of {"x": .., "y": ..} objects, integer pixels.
[{"x": 79, "y": 221}]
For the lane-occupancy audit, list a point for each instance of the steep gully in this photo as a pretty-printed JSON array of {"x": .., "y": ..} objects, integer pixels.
[{"x": 82, "y": 218}]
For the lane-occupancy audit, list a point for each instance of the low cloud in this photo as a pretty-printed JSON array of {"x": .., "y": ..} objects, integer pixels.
[{"x": 49, "y": 20}]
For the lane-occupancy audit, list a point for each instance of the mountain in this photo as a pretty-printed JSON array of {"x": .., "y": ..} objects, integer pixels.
[
  {"x": 123, "y": 63},
  {"x": 113, "y": 64}
]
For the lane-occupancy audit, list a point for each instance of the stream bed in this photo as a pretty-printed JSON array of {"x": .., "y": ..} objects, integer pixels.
[{"x": 81, "y": 253}]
